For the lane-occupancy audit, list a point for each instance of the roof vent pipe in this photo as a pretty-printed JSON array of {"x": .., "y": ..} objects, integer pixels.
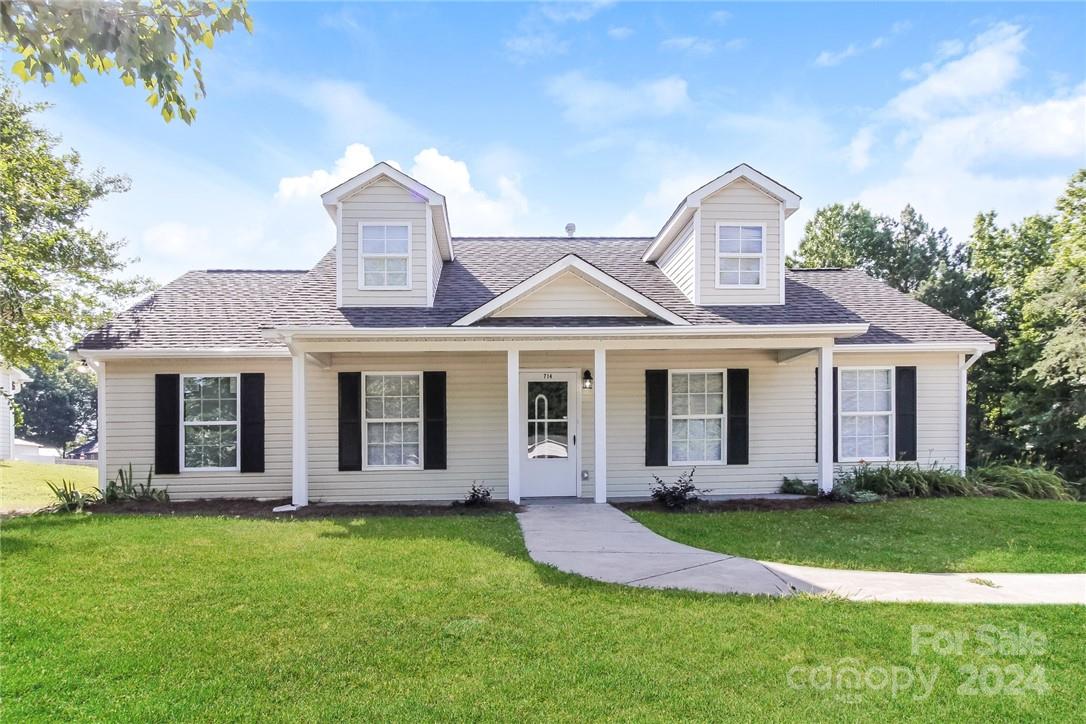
[{"x": 570, "y": 229}]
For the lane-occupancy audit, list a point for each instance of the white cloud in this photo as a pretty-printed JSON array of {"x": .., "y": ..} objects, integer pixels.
[
  {"x": 355, "y": 159},
  {"x": 944, "y": 50},
  {"x": 970, "y": 144},
  {"x": 471, "y": 211},
  {"x": 720, "y": 17},
  {"x": 530, "y": 45},
  {"x": 859, "y": 149},
  {"x": 829, "y": 58},
  {"x": 992, "y": 63},
  {"x": 736, "y": 44},
  {"x": 646, "y": 218},
  {"x": 590, "y": 102},
  {"x": 690, "y": 44},
  {"x": 578, "y": 12},
  {"x": 620, "y": 32}
]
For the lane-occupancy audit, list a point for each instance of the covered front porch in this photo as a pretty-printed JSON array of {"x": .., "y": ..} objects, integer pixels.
[{"x": 533, "y": 412}]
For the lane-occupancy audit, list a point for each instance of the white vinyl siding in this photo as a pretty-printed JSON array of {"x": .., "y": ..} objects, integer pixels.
[
  {"x": 568, "y": 295},
  {"x": 130, "y": 427},
  {"x": 739, "y": 204},
  {"x": 781, "y": 399},
  {"x": 382, "y": 202},
  {"x": 678, "y": 262}
]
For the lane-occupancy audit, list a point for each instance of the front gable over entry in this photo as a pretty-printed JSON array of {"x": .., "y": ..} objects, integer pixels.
[{"x": 571, "y": 287}]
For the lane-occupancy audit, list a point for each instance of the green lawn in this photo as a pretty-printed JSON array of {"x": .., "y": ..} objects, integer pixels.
[
  {"x": 414, "y": 619},
  {"x": 929, "y": 535},
  {"x": 23, "y": 485}
]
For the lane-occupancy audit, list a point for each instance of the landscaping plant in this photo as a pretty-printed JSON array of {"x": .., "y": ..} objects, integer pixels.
[
  {"x": 479, "y": 496},
  {"x": 676, "y": 495},
  {"x": 124, "y": 488},
  {"x": 71, "y": 499}
]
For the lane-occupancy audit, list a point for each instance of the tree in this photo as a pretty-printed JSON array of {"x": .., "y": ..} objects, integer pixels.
[
  {"x": 57, "y": 278},
  {"x": 150, "y": 42},
  {"x": 903, "y": 252},
  {"x": 59, "y": 405}
]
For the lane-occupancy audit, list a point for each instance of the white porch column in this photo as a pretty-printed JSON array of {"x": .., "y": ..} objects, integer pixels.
[
  {"x": 103, "y": 474},
  {"x": 299, "y": 438},
  {"x": 825, "y": 417},
  {"x": 600, "y": 423},
  {"x": 513, "y": 406}
]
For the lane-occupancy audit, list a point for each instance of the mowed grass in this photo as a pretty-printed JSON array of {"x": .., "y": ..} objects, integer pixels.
[
  {"x": 23, "y": 484},
  {"x": 416, "y": 619},
  {"x": 928, "y": 535}
]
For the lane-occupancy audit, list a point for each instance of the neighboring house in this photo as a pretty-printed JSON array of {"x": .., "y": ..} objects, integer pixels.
[
  {"x": 86, "y": 451},
  {"x": 33, "y": 452},
  {"x": 409, "y": 363},
  {"x": 12, "y": 380}
]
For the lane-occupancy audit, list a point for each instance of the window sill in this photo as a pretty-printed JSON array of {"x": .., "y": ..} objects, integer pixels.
[
  {"x": 211, "y": 470},
  {"x": 740, "y": 286},
  {"x": 866, "y": 460},
  {"x": 381, "y": 468}
]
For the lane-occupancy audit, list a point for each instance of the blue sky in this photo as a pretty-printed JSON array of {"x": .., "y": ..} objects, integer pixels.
[{"x": 528, "y": 116}]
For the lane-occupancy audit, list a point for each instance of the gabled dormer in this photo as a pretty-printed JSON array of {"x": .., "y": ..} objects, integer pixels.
[
  {"x": 392, "y": 239},
  {"x": 724, "y": 244}
]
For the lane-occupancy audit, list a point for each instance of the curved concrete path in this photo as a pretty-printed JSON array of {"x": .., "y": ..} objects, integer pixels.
[{"x": 602, "y": 542}]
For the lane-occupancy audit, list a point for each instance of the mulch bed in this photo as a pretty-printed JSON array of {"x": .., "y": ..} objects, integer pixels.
[
  {"x": 726, "y": 506},
  {"x": 248, "y": 508}
]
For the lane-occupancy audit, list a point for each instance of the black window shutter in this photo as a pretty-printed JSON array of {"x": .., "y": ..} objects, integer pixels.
[
  {"x": 835, "y": 414},
  {"x": 738, "y": 417},
  {"x": 434, "y": 427},
  {"x": 252, "y": 422},
  {"x": 167, "y": 424},
  {"x": 655, "y": 418},
  {"x": 817, "y": 422},
  {"x": 350, "y": 420},
  {"x": 905, "y": 404}
]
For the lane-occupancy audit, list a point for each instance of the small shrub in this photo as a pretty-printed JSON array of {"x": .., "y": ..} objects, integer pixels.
[
  {"x": 124, "y": 488},
  {"x": 71, "y": 499},
  {"x": 1011, "y": 481},
  {"x": 479, "y": 496},
  {"x": 795, "y": 486},
  {"x": 910, "y": 481},
  {"x": 676, "y": 495}
]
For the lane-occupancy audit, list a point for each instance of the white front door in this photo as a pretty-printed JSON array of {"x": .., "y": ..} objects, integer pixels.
[{"x": 548, "y": 447}]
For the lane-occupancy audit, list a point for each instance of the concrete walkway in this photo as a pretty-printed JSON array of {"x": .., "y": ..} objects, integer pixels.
[{"x": 601, "y": 542}]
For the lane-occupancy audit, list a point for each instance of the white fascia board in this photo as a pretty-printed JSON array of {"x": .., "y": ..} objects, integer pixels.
[
  {"x": 181, "y": 352},
  {"x": 788, "y": 198},
  {"x": 965, "y": 347},
  {"x": 334, "y": 195},
  {"x": 573, "y": 263},
  {"x": 701, "y": 330}
]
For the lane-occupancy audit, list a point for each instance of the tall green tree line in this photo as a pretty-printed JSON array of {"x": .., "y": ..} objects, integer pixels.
[{"x": 1023, "y": 284}]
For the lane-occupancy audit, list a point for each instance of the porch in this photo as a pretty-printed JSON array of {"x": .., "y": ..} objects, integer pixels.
[{"x": 568, "y": 416}]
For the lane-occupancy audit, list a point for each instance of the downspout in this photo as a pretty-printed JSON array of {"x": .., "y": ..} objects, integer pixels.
[{"x": 964, "y": 363}]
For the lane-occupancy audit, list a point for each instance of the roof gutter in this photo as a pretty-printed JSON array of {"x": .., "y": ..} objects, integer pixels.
[
  {"x": 93, "y": 355},
  {"x": 702, "y": 330}
]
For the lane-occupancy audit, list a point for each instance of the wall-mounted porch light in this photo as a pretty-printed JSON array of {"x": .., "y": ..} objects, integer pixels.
[{"x": 586, "y": 380}]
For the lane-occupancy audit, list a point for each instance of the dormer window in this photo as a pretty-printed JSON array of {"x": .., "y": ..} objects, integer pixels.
[
  {"x": 384, "y": 256},
  {"x": 740, "y": 256}
]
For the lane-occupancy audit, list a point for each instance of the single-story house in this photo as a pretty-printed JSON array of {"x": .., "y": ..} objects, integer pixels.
[
  {"x": 409, "y": 362},
  {"x": 33, "y": 452},
  {"x": 12, "y": 380}
]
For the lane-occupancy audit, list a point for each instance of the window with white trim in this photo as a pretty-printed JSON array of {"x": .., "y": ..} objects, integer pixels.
[
  {"x": 740, "y": 255},
  {"x": 209, "y": 422},
  {"x": 393, "y": 416},
  {"x": 866, "y": 409},
  {"x": 696, "y": 400},
  {"x": 384, "y": 256}
]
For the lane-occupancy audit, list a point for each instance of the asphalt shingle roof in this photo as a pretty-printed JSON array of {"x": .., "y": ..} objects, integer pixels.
[
  {"x": 229, "y": 308},
  {"x": 217, "y": 308}
]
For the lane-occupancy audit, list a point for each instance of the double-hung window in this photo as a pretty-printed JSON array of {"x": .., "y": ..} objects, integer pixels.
[
  {"x": 866, "y": 402},
  {"x": 209, "y": 422},
  {"x": 393, "y": 411},
  {"x": 384, "y": 256},
  {"x": 740, "y": 255},
  {"x": 696, "y": 416}
]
